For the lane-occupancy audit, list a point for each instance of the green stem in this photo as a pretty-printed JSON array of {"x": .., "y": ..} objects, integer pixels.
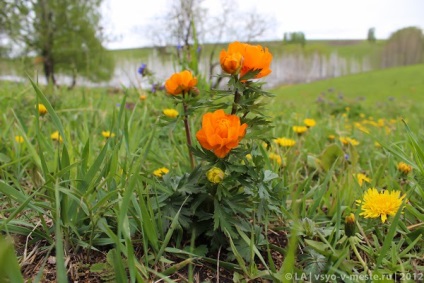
[
  {"x": 355, "y": 250},
  {"x": 237, "y": 97},
  {"x": 188, "y": 132}
]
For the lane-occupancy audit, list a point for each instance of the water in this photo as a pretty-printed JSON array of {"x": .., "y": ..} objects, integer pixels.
[{"x": 286, "y": 69}]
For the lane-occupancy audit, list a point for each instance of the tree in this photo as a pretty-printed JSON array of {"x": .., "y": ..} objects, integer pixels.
[
  {"x": 294, "y": 38},
  {"x": 371, "y": 35},
  {"x": 404, "y": 47},
  {"x": 66, "y": 34}
]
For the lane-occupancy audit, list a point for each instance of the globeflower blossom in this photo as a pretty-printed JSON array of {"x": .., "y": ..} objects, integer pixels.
[
  {"x": 231, "y": 63},
  {"x": 180, "y": 82},
  {"x": 376, "y": 204},
  {"x": 254, "y": 58},
  {"x": 220, "y": 132}
]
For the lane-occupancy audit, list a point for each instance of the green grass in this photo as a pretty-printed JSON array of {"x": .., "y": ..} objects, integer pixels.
[
  {"x": 92, "y": 196},
  {"x": 401, "y": 84}
]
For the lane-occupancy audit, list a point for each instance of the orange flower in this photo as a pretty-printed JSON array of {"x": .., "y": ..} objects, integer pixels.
[
  {"x": 231, "y": 62},
  {"x": 180, "y": 82},
  {"x": 220, "y": 132},
  {"x": 255, "y": 57}
]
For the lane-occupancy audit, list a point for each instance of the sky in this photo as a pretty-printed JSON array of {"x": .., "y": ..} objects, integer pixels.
[{"x": 126, "y": 21}]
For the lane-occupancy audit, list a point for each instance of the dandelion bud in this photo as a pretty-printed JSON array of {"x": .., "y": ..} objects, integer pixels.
[
  {"x": 215, "y": 175},
  {"x": 404, "y": 168},
  {"x": 350, "y": 225},
  {"x": 231, "y": 63},
  {"x": 42, "y": 110},
  {"x": 194, "y": 92}
]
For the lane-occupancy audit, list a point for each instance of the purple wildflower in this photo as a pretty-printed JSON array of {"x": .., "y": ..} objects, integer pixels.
[{"x": 142, "y": 69}]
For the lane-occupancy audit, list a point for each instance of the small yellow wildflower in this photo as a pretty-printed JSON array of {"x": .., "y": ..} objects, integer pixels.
[
  {"x": 285, "y": 142},
  {"x": 331, "y": 137},
  {"x": 55, "y": 136},
  {"x": 107, "y": 134},
  {"x": 299, "y": 129},
  {"x": 171, "y": 113},
  {"x": 404, "y": 168},
  {"x": 42, "y": 110},
  {"x": 249, "y": 156},
  {"x": 347, "y": 140},
  {"x": 19, "y": 139},
  {"x": 275, "y": 157},
  {"x": 375, "y": 204},
  {"x": 143, "y": 97},
  {"x": 215, "y": 175},
  {"x": 309, "y": 122},
  {"x": 362, "y": 178},
  {"x": 161, "y": 171}
]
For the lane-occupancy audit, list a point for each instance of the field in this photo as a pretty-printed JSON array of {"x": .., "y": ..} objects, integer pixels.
[{"x": 99, "y": 187}]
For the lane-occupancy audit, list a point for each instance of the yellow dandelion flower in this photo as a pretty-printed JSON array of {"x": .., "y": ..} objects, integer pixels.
[
  {"x": 299, "y": 129},
  {"x": 275, "y": 157},
  {"x": 331, "y": 137},
  {"x": 347, "y": 140},
  {"x": 285, "y": 142},
  {"x": 171, "y": 113},
  {"x": 404, "y": 168},
  {"x": 362, "y": 178},
  {"x": 161, "y": 171},
  {"x": 376, "y": 204},
  {"x": 309, "y": 122},
  {"x": 55, "y": 136},
  {"x": 42, "y": 110},
  {"x": 19, "y": 139},
  {"x": 143, "y": 97},
  {"x": 215, "y": 175},
  {"x": 107, "y": 134}
]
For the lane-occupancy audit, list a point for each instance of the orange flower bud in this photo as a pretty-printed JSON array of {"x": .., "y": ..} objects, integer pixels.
[
  {"x": 255, "y": 57},
  {"x": 231, "y": 63},
  {"x": 180, "y": 82},
  {"x": 220, "y": 132}
]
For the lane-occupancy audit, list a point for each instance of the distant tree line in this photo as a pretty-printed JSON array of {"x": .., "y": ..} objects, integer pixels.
[
  {"x": 294, "y": 38},
  {"x": 404, "y": 47}
]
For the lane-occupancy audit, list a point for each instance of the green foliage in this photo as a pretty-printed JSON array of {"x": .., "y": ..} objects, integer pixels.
[
  {"x": 268, "y": 217},
  {"x": 294, "y": 38},
  {"x": 64, "y": 35},
  {"x": 404, "y": 47}
]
